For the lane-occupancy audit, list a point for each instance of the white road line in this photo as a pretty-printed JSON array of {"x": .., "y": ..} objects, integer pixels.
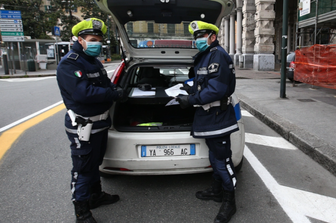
[
  {"x": 271, "y": 141},
  {"x": 29, "y": 117},
  {"x": 246, "y": 113},
  {"x": 296, "y": 203}
]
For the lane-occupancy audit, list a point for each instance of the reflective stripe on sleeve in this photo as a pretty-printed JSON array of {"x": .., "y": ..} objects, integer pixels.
[{"x": 202, "y": 72}]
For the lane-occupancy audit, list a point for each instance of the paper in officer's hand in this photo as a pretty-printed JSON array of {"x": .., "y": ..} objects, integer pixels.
[
  {"x": 172, "y": 102},
  {"x": 175, "y": 90}
]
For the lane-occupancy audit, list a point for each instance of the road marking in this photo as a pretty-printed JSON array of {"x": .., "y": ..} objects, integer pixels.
[
  {"x": 26, "y": 79},
  {"x": 246, "y": 113},
  {"x": 296, "y": 203},
  {"x": 10, "y": 136},
  {"x": 271, "y": 141},
  {"x": 29, "y": 117}
]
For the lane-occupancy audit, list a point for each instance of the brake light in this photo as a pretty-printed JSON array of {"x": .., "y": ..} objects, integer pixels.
[
  {"x": 292, "y": 65},
  {"x": 116, "y": 74},
  {"x": 116, "y": 168}
]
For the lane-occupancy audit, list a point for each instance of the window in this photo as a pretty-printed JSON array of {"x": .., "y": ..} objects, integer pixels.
[
  {"x": 171, "y": 28},
  {"x": 129, "y": 28},
  {"x": 186, "y": 29},
  {"x": 150, "y": 28}
]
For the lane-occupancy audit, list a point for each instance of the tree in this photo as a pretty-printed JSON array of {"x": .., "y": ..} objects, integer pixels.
[
  {"x": 91, "y": 10},
  {"x": 64, "y": 9}
]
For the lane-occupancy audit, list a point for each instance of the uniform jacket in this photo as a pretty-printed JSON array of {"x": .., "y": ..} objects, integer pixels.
[
  {"x": 84, "y": 86},
  {"x": 214, "y": 80}
]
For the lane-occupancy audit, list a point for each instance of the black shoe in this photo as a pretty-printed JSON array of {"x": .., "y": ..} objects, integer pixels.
[
  {"x": 228, "y": 208},
  {"x": 102, "y": 198},
  {"x": 83, "y": 213},
  {"x": 215, "y": 192}
]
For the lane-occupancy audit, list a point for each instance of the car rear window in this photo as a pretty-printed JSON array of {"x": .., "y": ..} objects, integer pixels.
[
  {"x": 148, "y": 34},
  {"x": 291, "y": 57}
]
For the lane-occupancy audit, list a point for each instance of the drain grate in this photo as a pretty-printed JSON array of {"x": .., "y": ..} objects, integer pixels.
[{"x": 306, "y": 100}]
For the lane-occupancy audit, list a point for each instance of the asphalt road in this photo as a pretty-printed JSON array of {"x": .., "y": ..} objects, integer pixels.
[{"x": 277, "y": 183}]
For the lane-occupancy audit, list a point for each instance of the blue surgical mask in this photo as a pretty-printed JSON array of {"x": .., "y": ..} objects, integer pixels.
[
  {"x": 93, "y": 48},
  {"x": 202, "y": 43}
]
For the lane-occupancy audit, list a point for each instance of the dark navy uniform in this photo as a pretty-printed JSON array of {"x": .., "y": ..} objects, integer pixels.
[
  {"x": 88, "y": 92},
  {"x": 214, "y": 83},
  {"x": 214, "y": 119}
]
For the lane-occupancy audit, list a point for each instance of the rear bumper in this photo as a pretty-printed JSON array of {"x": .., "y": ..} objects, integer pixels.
[{"x": 123, "y": 154}]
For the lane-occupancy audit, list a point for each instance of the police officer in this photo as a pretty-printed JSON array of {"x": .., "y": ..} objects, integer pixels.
[
  {"x": 88, "y": 95},
  {"x": 214, "y": 118}
]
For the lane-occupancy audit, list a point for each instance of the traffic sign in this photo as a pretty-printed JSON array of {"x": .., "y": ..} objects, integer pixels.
[
  {"x": 12, "y": 33},
  {"x": 10, "y": 21},
  {"x": 57, "y": 31},
  {"x": 12, "y": 38},
  {"x": 16, "y": 29},
  {"x": 11, "y": 26},
  {"x": 6, "y": 14}
]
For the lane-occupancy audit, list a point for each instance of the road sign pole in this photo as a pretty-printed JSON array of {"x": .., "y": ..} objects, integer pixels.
[{"x": 284, "y": 49}]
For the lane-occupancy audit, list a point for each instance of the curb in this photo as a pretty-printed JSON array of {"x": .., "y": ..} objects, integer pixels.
[
  {"x": 25, "y": 76},
  {"x": 315, "y": 148}
]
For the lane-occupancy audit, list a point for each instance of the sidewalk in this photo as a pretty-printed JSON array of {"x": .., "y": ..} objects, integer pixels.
[
  {"x": 306, "y": 117},
  {"x": 38, "y": 73},
  {"x": 21, "y": 73}
]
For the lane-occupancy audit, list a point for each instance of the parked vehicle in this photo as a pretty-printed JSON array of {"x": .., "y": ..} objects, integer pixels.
[
  {"x": 148, "y": 137},
  {"x": 290, "y": 66}
]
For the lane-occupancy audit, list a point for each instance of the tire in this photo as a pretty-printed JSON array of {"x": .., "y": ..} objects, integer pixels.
[{"x": 239, "y": 166}]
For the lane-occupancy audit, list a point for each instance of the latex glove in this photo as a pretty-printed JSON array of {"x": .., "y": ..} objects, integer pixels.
[
  {"x": 186, "y": 87},
  {"x": 183, "y": 100}
]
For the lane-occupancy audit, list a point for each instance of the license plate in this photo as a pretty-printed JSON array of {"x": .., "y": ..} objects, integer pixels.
[{"x": 168, "y": 150}]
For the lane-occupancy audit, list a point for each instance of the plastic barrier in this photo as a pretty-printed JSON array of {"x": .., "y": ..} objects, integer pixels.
[{"x": 316, "y": 65}]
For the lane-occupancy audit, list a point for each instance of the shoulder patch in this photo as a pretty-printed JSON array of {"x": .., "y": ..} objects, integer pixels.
[
  {"x": 212, "y": 68},
  {"x": 78, "y": 73},
  {"x": 73, "y": 56}
]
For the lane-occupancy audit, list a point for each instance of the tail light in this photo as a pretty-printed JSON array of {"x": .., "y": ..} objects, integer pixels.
[
  {"x": 116, "y": 74},
  {"x": 292, "y": 65}
]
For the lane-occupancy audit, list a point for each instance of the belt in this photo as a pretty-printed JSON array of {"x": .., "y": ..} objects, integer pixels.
[
  {"x": 214, "y": 104},
  {"x": 209, "y": 105},
  {"x": 96, "y": 118}
]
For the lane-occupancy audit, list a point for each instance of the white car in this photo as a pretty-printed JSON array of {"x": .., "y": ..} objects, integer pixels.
[{"x": 149, "y": 137}]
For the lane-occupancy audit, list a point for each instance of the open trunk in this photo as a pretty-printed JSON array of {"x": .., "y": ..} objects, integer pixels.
[
  {"x": 148, "y": 117},
  {"x": 145, "y": 109}
]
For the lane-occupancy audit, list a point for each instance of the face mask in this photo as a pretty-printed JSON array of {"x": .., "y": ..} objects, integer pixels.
[
  {"x": 202, "y": 43},
  {"x": 92, "y": 48}
]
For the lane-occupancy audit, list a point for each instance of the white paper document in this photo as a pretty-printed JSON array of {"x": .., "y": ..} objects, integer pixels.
[
  {"x": 175, "y": 90},
  {"x": 139, "y": 93},
  {"x": 172, "y": 102}
]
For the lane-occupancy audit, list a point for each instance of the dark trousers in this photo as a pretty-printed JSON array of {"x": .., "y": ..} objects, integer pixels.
[
  {"x": 220, "y": 158},
  {"x": 86, "y": 159}
]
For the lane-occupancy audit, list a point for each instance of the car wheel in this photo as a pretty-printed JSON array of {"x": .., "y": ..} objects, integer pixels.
[{"x": 239, "y": 166}]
